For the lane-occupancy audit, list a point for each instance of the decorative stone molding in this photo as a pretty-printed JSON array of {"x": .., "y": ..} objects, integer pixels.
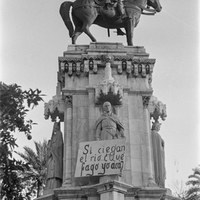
[
  {"x": 69, "y": 59},
  {"x": 68, "y": 101},
  {"x": 56, "y": 107},
  {"x": 108, "y": 86},
  {"x": 145, "y": 100},
  {"x": 157, "y": 109},
  {"x": 151, "y": 193},
  {"x": 75, "y": 193},
  {"x": 137, "y": 67},
  {"x": 112, "y": 185}
]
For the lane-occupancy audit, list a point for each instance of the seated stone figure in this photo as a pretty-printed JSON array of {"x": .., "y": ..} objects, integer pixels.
[
  {"x": 108, "y": 125},
  {"x": 120, "y": 10}
]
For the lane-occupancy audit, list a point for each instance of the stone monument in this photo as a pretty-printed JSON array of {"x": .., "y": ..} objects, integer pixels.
[
  {"x": 112, "y": 147},
  {"x": 104, "y": 98}
]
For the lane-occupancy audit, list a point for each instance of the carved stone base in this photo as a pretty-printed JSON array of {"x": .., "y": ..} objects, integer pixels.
[
  {"x": 109, "y": 190},
  {"x": 112, "y": 189},
  {"x": 47, "y": 197},
  {"x": 151, "y": 193}
]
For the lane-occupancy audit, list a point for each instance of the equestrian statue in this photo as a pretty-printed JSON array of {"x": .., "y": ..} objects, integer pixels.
[{"x": 110, "y": 14}]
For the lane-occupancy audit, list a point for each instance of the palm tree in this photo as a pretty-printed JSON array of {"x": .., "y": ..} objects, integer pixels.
[
  {"x": 193, "y": 192},
  {"x": 35, "y": 175}
]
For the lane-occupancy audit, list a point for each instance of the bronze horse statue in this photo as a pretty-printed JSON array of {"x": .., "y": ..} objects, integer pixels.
[{"x": 105, "y": 13}]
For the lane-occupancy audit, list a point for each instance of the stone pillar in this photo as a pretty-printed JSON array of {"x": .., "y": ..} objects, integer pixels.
[
  {"x": 127, "y": 173},
  {"x": 147, "y": 158},
  {"x": 67, "y": 166},
  {"x": 92, "y": 114},
  {"x": 136, "y": 131}
]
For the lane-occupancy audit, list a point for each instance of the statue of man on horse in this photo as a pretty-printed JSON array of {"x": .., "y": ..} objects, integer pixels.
[
  {"x": 110, "y": 14},
  {"x": 116, "y": 3}
]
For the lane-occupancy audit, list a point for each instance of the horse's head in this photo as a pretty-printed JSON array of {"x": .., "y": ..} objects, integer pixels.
[{"x": 154, "y": 4}]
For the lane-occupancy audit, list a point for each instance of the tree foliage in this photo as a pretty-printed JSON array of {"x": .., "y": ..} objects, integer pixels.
[
  {"x": 15, "y": 104},
  {"x": 179, "y": 190},
  {"x": 193, "y": 192},
  {"x": 35, "y": 175}
]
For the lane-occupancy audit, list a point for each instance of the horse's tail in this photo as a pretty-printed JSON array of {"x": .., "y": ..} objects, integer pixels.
[{"x": 65, "y": 14}]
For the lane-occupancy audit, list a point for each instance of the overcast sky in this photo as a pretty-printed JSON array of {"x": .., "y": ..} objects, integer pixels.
[{"x": 33, "y": 36}]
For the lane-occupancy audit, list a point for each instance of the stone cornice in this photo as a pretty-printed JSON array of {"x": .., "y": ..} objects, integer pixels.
[
  {"x": 111, "y": 186},
  {"x": 115, "y": 58},
  {"x": 67, "y": 92},
  {"x": 75, "y": 67},
  {"x": 152, "y": 193},
  {"x": 92, "y": 89},
  {"x": 95, "y": 190},
  {"x": 86, "y": 59},
  {"x": 139, "y": 92}
]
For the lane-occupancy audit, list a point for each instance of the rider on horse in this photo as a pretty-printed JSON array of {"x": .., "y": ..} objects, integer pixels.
[
  {"x": 108, "y": 15},
  {"x": 118, "y": 4},
  {"x": 120, "y": 9}
]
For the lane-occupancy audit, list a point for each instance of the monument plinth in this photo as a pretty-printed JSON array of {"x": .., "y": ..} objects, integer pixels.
[{"x": 89, "y": 76}]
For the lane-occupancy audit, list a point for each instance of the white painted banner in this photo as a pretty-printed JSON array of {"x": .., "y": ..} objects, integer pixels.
[{"x": 98, "y": 158}]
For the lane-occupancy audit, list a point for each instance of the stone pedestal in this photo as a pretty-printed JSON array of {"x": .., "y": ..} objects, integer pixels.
[
  {"x": 82, "y": 82},
  {"x": 112, "y": 190}
]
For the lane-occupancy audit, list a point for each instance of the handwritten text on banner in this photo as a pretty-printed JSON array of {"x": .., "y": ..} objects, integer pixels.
[{"x": 97, "y": 158}]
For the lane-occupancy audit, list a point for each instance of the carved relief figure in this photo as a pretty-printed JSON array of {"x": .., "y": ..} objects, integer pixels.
[
  {"x": 158, "y": 155},
  {"x": 55, "y": 158},
  {"x": 108, "y": 125}
]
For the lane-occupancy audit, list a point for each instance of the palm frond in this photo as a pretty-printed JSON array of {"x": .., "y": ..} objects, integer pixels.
[
  {"x": 193, "y": 182},
  {"x": 37, "y": 160},
  {"x": 193, "y": 191}
]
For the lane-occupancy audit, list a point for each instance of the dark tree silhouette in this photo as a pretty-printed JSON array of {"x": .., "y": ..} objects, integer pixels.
[{"x": 15, "y": 103}]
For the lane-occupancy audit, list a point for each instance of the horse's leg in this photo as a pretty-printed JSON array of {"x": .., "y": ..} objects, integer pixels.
[
  {"x": 88, "y": 21},
  {"x": 87, "y": 31},
  {"x": 77, "y": 32},
  {"x": 78, "y": 28},
  {"x": 129, "y": 31}
]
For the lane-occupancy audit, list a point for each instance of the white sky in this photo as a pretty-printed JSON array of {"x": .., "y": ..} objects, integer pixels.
[{"x": 33, "y": 36}]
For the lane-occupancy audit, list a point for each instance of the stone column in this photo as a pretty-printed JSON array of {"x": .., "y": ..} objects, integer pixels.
[
  {"x": 147, "y": 159},
  {"x": 135, "y": 133},
  {"x": 67, "y": 165},
  {"x": 124, "y": 114},
  {"x": 92, "y": 114}
]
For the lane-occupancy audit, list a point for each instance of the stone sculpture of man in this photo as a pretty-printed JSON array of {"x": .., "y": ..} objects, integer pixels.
[
  {"x": 158, "y": 155},
  {"x": 108, "y": 125},
  {"x": 55, "y": 158},
  {"x": 120, "y": 9}
]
